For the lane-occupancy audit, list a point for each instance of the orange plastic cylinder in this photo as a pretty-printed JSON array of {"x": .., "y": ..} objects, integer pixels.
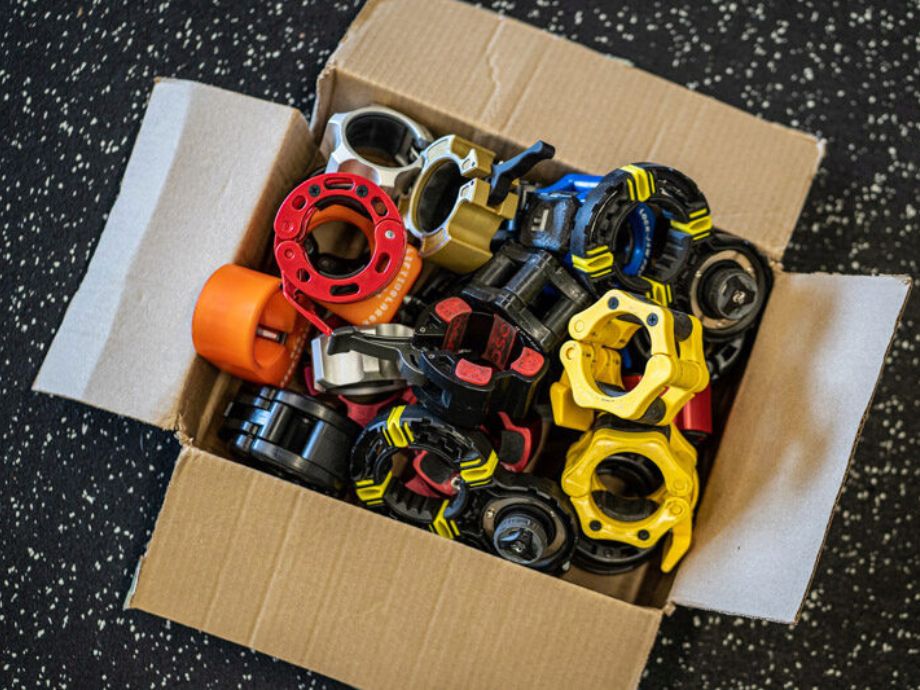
[
  {"x": 382, "y": 307},
  {"x": 243, "y": 325}
]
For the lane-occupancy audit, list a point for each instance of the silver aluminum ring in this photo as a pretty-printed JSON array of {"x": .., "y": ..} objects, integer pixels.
[
  {"x": 378, "y": 143},
  {"x": 354, "y": 374}
]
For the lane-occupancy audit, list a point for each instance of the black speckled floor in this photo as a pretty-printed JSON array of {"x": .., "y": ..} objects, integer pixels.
[{"x": 80, "y": 489}]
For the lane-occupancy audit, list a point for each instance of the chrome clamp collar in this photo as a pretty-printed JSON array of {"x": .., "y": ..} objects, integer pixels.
[
  {"x": 352, "y": 373},
  {"x": 378, "y": 143}
]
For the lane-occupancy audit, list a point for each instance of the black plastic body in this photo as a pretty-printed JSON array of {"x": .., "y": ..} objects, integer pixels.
[
  {"x": 547, "y": 222},
  {"x": 532, "y": 290},
  {"x": 602, "y": 219},
  {"x": 471, "y": 509},
  {"x": 701, "y": 251},
  {"x": 374, "y": 456},
  {"x": 291, "y": 435},
  {"x": 537, "y": 497},
  {"x": 446, "y": 342}
]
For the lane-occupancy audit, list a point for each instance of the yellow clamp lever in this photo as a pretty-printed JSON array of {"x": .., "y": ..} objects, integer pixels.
[
  {"x": 676, "y": 498},
  {"x": 674, "y": 373},
  {"x": 448, "y": 209}
]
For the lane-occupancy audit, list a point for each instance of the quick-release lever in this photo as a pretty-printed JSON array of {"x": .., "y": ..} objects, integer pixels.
[{"x": 506, "y": 172}]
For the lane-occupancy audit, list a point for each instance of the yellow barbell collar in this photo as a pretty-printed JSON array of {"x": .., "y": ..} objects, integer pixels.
[
  {"x": 675, "y": 371},
  {"x": 675, "y": 458}
]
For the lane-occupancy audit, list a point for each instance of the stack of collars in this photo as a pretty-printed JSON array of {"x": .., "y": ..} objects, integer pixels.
[{"x": 532, "y": 370}]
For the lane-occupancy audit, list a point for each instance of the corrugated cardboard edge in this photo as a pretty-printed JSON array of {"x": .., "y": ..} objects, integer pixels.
[
  {"x": 139, "y": 566},
  {"x": 694, "y": 585},
  {"x": 275, "y": 567},
  {"x": 118, "y": 253},
  {"x": 351, "y": 64}
]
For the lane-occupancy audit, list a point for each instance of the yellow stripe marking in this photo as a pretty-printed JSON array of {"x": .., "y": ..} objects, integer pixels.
[
  {"x": 393, "y": 431},
  {"x": 442, "y": 526},
  {"x": 695, "y": 227},
  {"x": 659, "y": 292},
  {"x": 481, "y": 474},
  {"x": 593, "y": 264},
  {"x": 373, "y": 494},
  {"x": 640, "y": 183}
]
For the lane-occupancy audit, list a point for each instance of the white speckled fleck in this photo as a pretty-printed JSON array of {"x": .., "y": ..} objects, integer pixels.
[{"x": 80, "y": 489}]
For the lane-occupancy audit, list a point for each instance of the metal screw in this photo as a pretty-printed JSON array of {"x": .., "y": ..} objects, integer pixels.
[
  {"x": 652, "y": 319},
  {"x": 313, "y": 190},
  {"x": 361, "y": 190}
]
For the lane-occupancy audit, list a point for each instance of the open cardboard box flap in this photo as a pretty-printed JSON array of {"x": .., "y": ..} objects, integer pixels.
[
  {"x": 207, "y": 172},
  {"x": 368, "y": 600},
  {"x": 506, "y": 84},
  {"x": 787, "y": 443},
  {"x": 329, "y": 586}
]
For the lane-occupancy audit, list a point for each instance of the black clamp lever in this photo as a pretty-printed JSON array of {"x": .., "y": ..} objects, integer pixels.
[
  {"x": 506, "y": 172},
  {"x": 463, "y": 363}
]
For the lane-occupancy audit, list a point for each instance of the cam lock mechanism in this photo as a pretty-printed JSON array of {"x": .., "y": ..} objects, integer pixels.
[
  {"x": 462, "y": 196},
  {"x": 592, "y": 378},
  {"x": 466, "y": 494},
  {"x": 351, "y": 373},
  {"x": 378, "y": 143},
  {"x": 243, "y": 325},
  {"x": 464, "y": 364},
  {"x": 530, "y": 289},
  {"x": 292, "y": 435},
  {"x": 631, "y": 485},
  {"x": 361, "y": 409},
  {"x": 616, "y": 241},
  {"x": 310, "y": 276}
]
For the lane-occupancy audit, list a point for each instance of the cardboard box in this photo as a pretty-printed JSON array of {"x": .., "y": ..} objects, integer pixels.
[{"x": 379, "y": 604}]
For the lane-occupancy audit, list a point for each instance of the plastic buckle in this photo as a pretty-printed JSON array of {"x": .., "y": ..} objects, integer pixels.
[
  {"x": 381, "y": 482},
  {"x": 463, "y": 364},
  {"x": 615, "y": 239},
  {"x": 333, "y": 197},
  {"x": 454, "y": 485},
  {"x": 462, "y": 196}
]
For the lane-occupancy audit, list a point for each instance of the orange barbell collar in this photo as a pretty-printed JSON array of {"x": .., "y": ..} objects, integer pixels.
[{"x": 243, "y": 325}]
